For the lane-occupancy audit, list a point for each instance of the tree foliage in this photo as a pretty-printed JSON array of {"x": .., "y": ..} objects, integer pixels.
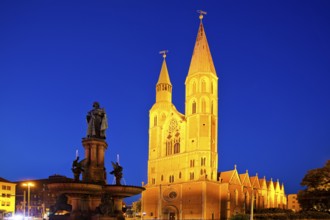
[{"x": 316, "y": 195}]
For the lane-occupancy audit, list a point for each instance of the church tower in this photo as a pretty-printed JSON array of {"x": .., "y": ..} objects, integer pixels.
[
  {"x": 201, "y": 107},
  {"x": 183, "y": 158},
  {"x": 183, "y": 179}
]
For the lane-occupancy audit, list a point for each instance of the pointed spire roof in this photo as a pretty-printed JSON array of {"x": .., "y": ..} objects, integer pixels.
[
  {"x": 201, "y": 60},
  {"x": 164, "y": 77}
]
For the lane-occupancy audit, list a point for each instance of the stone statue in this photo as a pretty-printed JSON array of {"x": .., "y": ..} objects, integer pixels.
[
  {"x": 77, "y": 169},
  {"x": 117, "y": 172},
  {"x": 61, "y": 206},
  {"x": 106, "y": 207},
  {"x": 97, "y": 122}
]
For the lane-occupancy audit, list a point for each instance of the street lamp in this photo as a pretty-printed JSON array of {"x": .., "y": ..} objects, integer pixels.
[
  {"x": 252, "y": 201},
  {"x": 28, "y": 184}
]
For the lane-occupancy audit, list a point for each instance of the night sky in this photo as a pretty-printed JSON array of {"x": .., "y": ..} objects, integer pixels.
[{"x": 58, "y": 57}]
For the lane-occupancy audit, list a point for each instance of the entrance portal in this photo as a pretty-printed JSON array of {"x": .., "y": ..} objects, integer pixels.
[
  {"x": 171, "y": 216},
  {"x": 170, "y": 213}
]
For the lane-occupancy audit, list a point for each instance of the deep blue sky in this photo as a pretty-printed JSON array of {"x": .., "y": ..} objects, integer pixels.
[{"x": 57, "y": 57}]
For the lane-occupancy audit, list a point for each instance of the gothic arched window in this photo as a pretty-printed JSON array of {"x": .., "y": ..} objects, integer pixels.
[
  {"x": 168, "y": 147},
  {"x": 203, "y": 106},
  {"x": 155, "y": 120},
  {"x": 194, "y": 87},
  {"x": 212, "y": 107},
  {"x": 193, "y": 108},
  {"x": 211, "y": 87},
  {"x": 177, "y": 148},
  {"x": 203, "y": 85}
]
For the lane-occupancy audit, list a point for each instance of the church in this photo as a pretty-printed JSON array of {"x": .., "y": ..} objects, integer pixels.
[{"x": 183, "y": 177}]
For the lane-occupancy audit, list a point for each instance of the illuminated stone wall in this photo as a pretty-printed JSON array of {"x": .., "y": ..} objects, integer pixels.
[
  {"x": 7, "y": 195},
  {"x": 183, "y": 179}
]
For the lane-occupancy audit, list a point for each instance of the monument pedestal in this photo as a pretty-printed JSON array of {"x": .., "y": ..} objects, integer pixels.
[{"x": 94, "y": 160}]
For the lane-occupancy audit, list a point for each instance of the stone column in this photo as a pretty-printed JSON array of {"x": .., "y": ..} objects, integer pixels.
[{"x": 94, "y": 169}]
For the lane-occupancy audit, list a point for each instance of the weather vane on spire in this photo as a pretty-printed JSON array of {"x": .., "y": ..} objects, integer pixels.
[
  {"x": 201, "y": 14},
  {"x": 164, "y": 52}
]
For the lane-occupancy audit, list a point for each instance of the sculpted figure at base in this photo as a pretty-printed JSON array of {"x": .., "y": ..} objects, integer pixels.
[
  {"x": 107, "y": 206},
  {"x": 61, "y": 206},
  {"x": 97, "y": 122},
  {"x": 77, "y": 168},
  {"x": 117, "y": 172}
]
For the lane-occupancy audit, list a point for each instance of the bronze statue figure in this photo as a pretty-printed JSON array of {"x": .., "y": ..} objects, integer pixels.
[
  {"x": 61, "y": 206},
  {"x": 77, "y": 169},
  {"x": 106, "y": 207},
  {"x": 117, "y": 172},
  {"x": 97, "y": 122}
]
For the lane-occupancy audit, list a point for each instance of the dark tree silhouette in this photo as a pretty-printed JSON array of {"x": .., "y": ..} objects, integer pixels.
[{"x": 316, "y": 195}]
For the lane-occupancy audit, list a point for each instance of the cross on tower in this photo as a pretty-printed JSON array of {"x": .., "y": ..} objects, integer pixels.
[
  {"x": 164, "y": 52},
  {"x": 201, "y": 14}
]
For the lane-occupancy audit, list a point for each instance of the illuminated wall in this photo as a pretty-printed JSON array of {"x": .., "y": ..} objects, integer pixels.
[
  {"x": 7, "y": 199},
  {"x": 183, "y": 179}
]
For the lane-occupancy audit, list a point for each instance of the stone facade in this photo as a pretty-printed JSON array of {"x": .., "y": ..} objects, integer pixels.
[
  {"x": 183, "y": 179},
  {"x": 7, "y": 201}
]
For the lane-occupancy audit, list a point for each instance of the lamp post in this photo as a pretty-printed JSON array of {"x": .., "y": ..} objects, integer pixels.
[
  {"x": 252, "y": 202},
  {"x": 28, "y": 184}
]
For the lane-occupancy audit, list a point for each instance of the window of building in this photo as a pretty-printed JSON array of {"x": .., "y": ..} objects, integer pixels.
[
  {"x": 192, "y": 163},
  {"x": 8, "y": 204},
  {"x": 194, "y": 87},
  {"x": 192, "y": 176},
  {"x": 203, "y": 86},
  {"x": 3, "y": 187},
  {"x": 177, "y": 148},
  {"x": 180, "y": 175},
  {"x": 171, "y": 178},
  {"x": 155, "y": 120},
  {"x": 203, "y": 161},
  {"x": 212, "y": 107},
  {"x": 168, "y": 147},
  {"x": 203, "y": 106},
  {"x": 193, "y": 108},
  {"x": 162, "y": 178},
  {"x": 236, "y": 197},
  {"x": 8, "y": 187}
]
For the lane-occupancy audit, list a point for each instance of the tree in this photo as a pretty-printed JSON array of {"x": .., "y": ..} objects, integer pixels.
[{"x": 316, "y": 196}]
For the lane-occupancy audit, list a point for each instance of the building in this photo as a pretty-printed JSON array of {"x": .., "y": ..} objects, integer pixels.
[
  {"x": 293, "y": 203},
  {"x": 183, "y": 179},
  {"x": 7, "y": 199},
  {"x": 41, "y": 199}
]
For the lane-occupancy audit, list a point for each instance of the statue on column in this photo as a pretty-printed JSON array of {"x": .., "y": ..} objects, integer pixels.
[{"x": 97, "y": 122}]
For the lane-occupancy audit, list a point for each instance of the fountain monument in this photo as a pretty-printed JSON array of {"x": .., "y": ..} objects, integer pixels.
[{"x": 91, "y": 197}]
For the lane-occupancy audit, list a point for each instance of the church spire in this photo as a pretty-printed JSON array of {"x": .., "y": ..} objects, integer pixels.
[
  {"x": 201, "y": 60},
  {"x": 164, "y": 86}
]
